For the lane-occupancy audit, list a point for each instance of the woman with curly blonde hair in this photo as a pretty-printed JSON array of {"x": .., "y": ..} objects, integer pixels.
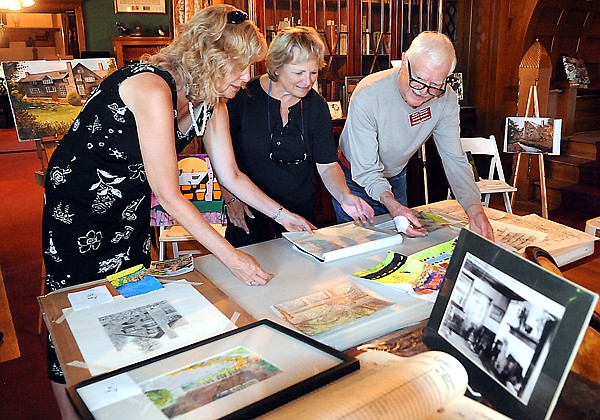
[{"x": 124, "y": 144}]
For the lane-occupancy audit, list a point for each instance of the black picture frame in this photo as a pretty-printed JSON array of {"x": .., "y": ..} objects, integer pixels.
[
  {"x": 303, "y": 357},
  {"x": 548, "y": 331}
]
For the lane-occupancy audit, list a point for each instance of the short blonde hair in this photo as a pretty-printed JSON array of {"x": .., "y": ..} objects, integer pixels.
[
  {"x": 436, "y": 46},
  {"x": 281, "y": 51},
  {"x": 207, "y": 50}
]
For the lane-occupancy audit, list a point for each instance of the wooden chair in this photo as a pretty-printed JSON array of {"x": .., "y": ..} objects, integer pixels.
[{"x": 495, "y": 183}]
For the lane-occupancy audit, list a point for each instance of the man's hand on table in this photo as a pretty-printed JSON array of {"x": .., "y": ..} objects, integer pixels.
[{"x": 396, "y": 209}]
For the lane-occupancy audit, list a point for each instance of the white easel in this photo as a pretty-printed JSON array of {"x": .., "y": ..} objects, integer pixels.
[{"x": 532, "y": 102}]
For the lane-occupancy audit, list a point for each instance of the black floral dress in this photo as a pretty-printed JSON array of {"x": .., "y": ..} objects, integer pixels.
[{"x": 96, "y": 218}]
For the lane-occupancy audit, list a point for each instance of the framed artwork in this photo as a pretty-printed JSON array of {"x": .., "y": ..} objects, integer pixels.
[
  {"x": 515, "y": 326},
  {"x": 335, "y": 109},
  {"x": 532, "y": 135},
  {"x": 455, "y": 81},
  {"x": 239, "y": 374},
  {"x": 46, "y": 96},
  {"x": 575, "y": 70},
  {"x": 198, "y": 183},
  {"x": 140, "y": 6}
]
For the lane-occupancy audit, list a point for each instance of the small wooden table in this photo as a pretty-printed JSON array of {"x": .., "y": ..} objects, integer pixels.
[{"x": 52, "y": 306}]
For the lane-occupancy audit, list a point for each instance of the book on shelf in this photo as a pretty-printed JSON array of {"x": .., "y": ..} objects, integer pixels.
[
  {"x": 430, "y": 385},
  {"x": 341, "y": 241}
]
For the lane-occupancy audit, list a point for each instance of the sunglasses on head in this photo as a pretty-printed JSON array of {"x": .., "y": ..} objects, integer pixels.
[{"x": 236, "y": 17}]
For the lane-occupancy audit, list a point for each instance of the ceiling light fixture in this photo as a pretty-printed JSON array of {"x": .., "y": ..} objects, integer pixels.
[{"x": 15, "y": 4}]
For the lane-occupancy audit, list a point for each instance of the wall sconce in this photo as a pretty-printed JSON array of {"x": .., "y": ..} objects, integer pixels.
[
  {"x": 15, "y": 4},
  {"x": 10, "y": 5}
]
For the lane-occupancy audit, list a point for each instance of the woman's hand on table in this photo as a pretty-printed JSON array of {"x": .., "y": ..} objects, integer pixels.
[
  {"x": 293, "y": 222},
  {"x": 245, "y": 267}
]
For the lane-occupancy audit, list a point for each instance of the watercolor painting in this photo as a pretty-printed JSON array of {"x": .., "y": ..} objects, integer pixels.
[
  {"x": 329, "y": 309},
  {"x": 47, "y": 96},
  {"x": 201, "y": 383}
]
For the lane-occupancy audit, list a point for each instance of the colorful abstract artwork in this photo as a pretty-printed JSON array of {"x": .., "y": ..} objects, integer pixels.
[
  {"x": 421, "y": 273},
  {"x": 197, "y": 183}
]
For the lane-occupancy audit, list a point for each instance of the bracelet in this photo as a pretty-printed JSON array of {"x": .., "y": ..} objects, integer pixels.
[
  {"x": 279, "y": 210},
  {"x": 231, "y": 200}
]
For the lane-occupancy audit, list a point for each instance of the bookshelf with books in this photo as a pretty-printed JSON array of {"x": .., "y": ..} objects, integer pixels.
[{"x": 361, "y": 36}]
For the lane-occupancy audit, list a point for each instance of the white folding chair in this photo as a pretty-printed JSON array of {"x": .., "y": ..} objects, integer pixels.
[{"x": 492, "y": 184}]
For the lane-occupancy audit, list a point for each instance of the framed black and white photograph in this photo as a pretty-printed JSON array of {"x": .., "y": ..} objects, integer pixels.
[
  {"x": 515, "y": 326},
  {"x": 532, "y": 135},
  {"x": 239, "y": 374}
]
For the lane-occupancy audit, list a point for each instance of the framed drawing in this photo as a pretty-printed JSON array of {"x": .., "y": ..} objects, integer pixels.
[
  {"x": 532, "y": 135},
  {"x": 515, "y": 326},
  {"x": 46, "y": 96},
  {"x": 238, "y": 374},
  {"x": 140, "y": 6}
]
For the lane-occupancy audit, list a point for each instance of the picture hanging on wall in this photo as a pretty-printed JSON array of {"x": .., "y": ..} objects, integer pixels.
[
  {"x": 576, "y": 71},
  {"x": 455, "y": 81},
  {"x": 532, "y": 135},
  {"x": 140, "y": 6},
  {"x": 46, "y": 96}
]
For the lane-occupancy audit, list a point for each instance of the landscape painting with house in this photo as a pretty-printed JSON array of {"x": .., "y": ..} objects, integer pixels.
[
  {"x": 532, "y": 135},
  {"x": 46, "y": 96}
]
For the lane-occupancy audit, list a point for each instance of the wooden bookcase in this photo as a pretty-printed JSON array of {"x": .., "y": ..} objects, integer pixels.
[{"x": 129, "y": 49}]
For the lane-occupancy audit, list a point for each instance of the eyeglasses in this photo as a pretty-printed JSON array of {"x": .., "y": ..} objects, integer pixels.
[
  {"x": 418, "y": 85},
  {"x": 236, "y": 17}
]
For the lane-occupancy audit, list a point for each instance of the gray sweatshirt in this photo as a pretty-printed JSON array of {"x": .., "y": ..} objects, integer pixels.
[{"x": 382, "y": 132}]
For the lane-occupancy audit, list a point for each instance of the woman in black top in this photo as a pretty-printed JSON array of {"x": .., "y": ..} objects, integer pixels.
[{"x": 280, "y": 128}]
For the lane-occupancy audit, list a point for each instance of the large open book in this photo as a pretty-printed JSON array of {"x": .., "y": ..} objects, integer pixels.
[
  {"x": 341, "y": 241},
  {"x": 430, "y": 385}
]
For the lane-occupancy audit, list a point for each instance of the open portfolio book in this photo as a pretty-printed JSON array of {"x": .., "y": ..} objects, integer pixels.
[
  {"x": 430, "y": 385},
  {"x": 341, "y": 241}
]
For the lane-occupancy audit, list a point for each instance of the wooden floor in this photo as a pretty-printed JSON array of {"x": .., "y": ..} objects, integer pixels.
[{"x": 9, "y": 345}]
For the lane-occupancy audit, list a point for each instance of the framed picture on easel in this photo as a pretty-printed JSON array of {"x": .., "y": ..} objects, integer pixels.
[
  {"x": 532, "y": 135},
  {"x": 47, "y": 95}
]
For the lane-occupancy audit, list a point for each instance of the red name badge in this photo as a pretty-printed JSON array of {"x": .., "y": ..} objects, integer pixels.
[{"x": 419, "y": 116}]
